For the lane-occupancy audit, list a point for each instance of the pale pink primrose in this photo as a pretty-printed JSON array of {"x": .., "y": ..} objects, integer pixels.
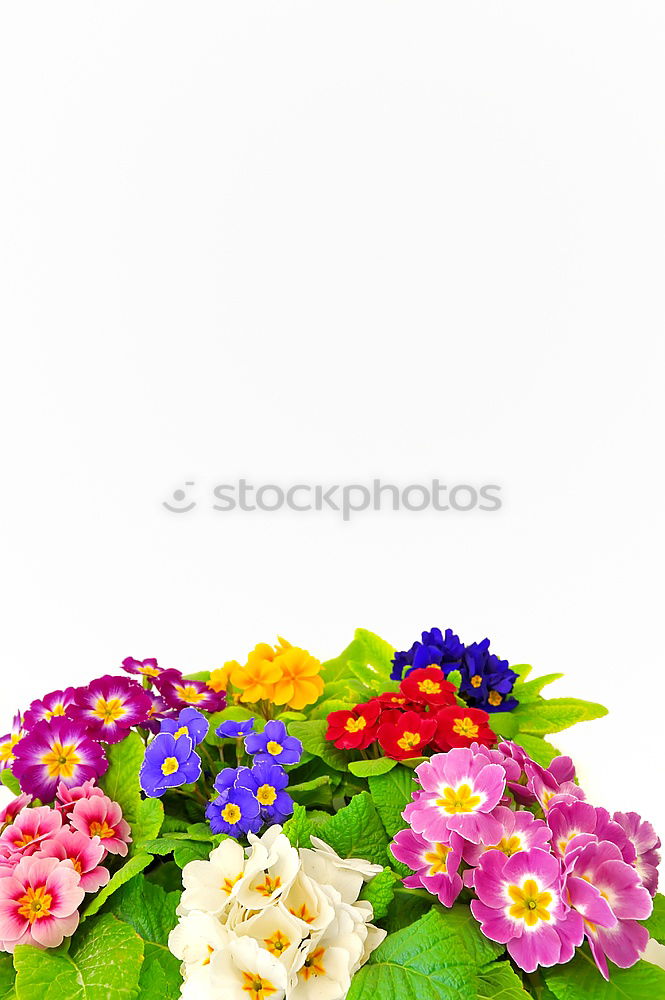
[
  {"x": 100, "y": 817},
  {"x": 39, "y": 903},
  {"x": 30, "y": 827},
  {"x": 435, "y": 864},
  {"x": 84, "y": 854},
  {"x": 520, "y": 831}
]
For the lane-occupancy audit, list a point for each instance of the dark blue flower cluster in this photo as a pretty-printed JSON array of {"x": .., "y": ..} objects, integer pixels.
[
  {"x": 171, "y": 760},
  {"x": 250, "y": 797},
  {"x": 487, "y": 682}
]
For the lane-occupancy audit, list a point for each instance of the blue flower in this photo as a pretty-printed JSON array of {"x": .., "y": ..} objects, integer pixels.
[
  {"x": 189, "y": 723},
  {"x": 227, "y": 778},
  {"x": 436, "y": 649},
  {"x": 274, "y": 745},
  {"x": 231, "y": 729},
  {"x": 267, "y": 783},
  {"x": 168, "y": 763},
  {"x": 235, "y": 812},
  {"x": 487, "y": 681}
]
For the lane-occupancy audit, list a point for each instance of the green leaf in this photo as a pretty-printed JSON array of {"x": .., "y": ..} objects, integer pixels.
[
  {"x": 380, "y": 892},
  {"x": 299, "y": 827},
  {"x": 408, "y": 906},
  {"x": 427, "y": 961},
  {"x": 9, "y": 781},
  {"x": 529, "y": 690},
  {"x": 103, "y": 963},
  {"x": 357, "y": 831},
  {"x": 147, "y": 822},
  {"x": 379, "y": 653},
  {"x": 538, "y": 749},
  {"x": 391, "y": 793},
  {"x": 580, "y": 979},
  {"x": 461, "y": 921},
  {"x": 656, "y": 922},
  {"x": 504, "y": 724},
  {"x": 523, "y": 669},
  {"x": 121, "y": 783},
  {"x": 312, "y": 736},
  {"x": 151, "y": 912},
  {"x": 7, "y": 977},
  {"x": 365, "y": 768},
  {"x": 292, "y": 716},
  {"x": 172, "y": 824},
  {"x": 413, "y": 762},
  {"x": 370, "y": 678},
  {"x": 455, "y": 678},
  {"x": 132, "y": 867},
  {"x": 498, "y": 981},
  {"x": 542, "y": 717},
  {"x": 325, "y": 708}
]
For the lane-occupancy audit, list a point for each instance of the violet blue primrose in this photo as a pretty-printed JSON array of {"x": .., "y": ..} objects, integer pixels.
[
  {"x": 169, "y": 762},
  {"x": 235, "y": 730},
  {"x": 436, "y": 649},
  {"x": 274, "y": 745},
  {"x": 235, "y": 813},
  {"x": 487, "y": 681},
  {"x": 267, "y": 783},
  {"x": 189, "y": 723}
]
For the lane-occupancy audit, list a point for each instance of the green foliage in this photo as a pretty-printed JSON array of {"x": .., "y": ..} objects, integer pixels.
[
  {"x": 526, "y": 691},
  {"x": 312, "y": 736},
  {"x": 498, "y": 981},
  {"x": 299, "y": 827},
  {"x": 128, "y": 871},
  {"x": 367, "y": 768},
  {"x": 380, "y": 892},
  {"x": 503, "y": 724},
  {"x": 391, "y": 793},
  {"x": 121, "y": 783},
  {"x": 580, "y": 979},
  {"x": 182, "y": 849},
  {"x": 7, "y": 977},
  {"x": 656, "y": 922},
  {"x": 538, "y": 749},
  {"x": 357, "y": 831},
  {"x": 408, "y": 906},
  {"x": 103, "y": 963},
  {"x": 378, "y": 653},
  {"x": 9, "y": 781},
  {"x": 541, "y": 716}
]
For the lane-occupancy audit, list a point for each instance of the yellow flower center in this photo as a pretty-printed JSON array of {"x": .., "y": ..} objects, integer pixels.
[
  {"x": 507, "y": 845},
  {"x": 437, "y": 859},
  {"x": 187, "y": 692},
  {"x": 277, "y": 943},
  {"x": 266, "y": 795},
  {"x": 170, "y": 765},
  {"x": 7, "y": 749},
  {"x": 429, "y": 687},
  {"x": 494, "y": 698},
  {"x": 149, "y": 671},
  {"x": 269, "y": 885},
  {"x": 466, "y": 727},
  {"x": 109, "y": 711},
  {"x": 23, "y": 841},
  {"x": 35, "y": 904},
  {"x": 101, "y": 830},
  {"x": 355, "y": 725},
  {"x": 274, "y": 749},
  {"x": 408, "y": 740},
  {"x": 529, "y": 903},
  {"x": 302, "y": 913},
  {"x": 476, "y": 680},
  {"x": 61, "y": 762},
  {"x": 183, "y": 731},
  {"x": 459, "y": 800},
  {"x": 227, "y": 887},
  {"x": 313, "y": 965},
  {"x": 231, "y": 813},
  {"x": 58, "y": 710},
  {"x": 256, "y": 987}
]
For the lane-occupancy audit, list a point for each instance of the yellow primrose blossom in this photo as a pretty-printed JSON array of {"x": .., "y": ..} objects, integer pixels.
[
  {"x": 221, "y": 678},
  {"x": 299, "y": 684},
  {"x": 257, "y": 678}
]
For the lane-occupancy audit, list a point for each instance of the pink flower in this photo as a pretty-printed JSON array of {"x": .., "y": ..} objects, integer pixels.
[
  {"x": 39, "y": 903},
  {"x": 520, "y": 831},
  {"x": 83, "y": 853},
  {"x": 461, "y": 790},
  {"x": 109, "y": 707},
  {"x": 609, "y": 895},
  {"x": 547, "y": 789},
  {"x": 646, "y": 842},
  {"x": 100, "y": 817},
  {"x": 520, "y": 904},
  {"x": 13, "y": 808},
  {"x": 30, "y": 827},
  {"x": 435, "y": 864},
  {"x": 68, "y": 797},
  {"x": 576, "y": 824}
]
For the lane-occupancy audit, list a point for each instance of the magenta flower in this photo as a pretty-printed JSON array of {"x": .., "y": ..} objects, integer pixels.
[
  {"x": 110, "y": 706},
  {"x": 158, "y": 711},
  {"x": 179, "y": 693},
  {"x": 435, "y": 864},
  {"x": 83, "y": 853},
  {"x": 54, "y": 752},
  {"x": 520, "y": 831},
  {"x": 9, "y": 813},
  {"x": 609, "y": 895},
  {"x": 145, "y": 668},
  {"x": 461, "y": 790},
  {"x": 545, "y": 786},
  {"x": 8, "y": 743},
  {"x": 512, "y": 768},
  {"x": 44, "y": 709},
  {"x": 646, "y": 842},
  {"x": 100, "y": 817},
  {"x": 39, "y": 903},
  {"x": 576, "y": 824},
  {"x": 31, "y": 826},
  {"x": 520, "y": 904}
]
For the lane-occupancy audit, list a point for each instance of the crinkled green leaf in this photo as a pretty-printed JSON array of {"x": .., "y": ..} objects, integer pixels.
[
  {"x": 408, "y": 905},
  {"x": 461, "y": 921},
  {"x": 538, "y": 749},
  {"x": 656, "y": 922},
  {"x": 380, "y": 892},
  {"x": 147, "y": 822},
  {"x": 581, "y": 980},
  {"x": 378, "y": 653},
  {"x": 373, "y": 681},
  {"x": 551, "y": 716},
  {"x": 454, "y": 677},
  {"x": 325, "y": 708},
  {"x": 366, "y": 768},
  {"x": 527, "y": 691},
  {"x": 121, "y": 783},
  {"x": 429, "y": 960},
  {"x": 391, "y": 794},
  {"x": 103, "y": 963},
  {"x": 182, "y": 849},
  {"x": 356, "y": 831},
  {"x": 523, "y": 669},
  {"x": 312, "y": 736},
  {"x": 131, "y": 868},
  {"x": 503, "y": 724},
  {"x": 9, "y": 781},
  {"x": 172, "y": 824},
  {"x": 299, "y": 827},
  {"x": 498, "y": 981},
  {"x": 7, "y": 977},
  {"x": 337, "y": 669}
]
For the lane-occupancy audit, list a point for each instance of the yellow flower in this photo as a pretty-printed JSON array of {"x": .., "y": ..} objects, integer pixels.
[
  {"x": 220, "y": 679},
  {"x": 299, "y": 684},
  {"x": 257, "y": 678}
]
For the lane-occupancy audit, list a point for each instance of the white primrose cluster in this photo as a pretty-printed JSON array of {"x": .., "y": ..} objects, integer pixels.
[{"x": 272, "y": 922}]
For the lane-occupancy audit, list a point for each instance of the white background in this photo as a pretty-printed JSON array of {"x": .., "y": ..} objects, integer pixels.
[{"x": 321, "y": 243}]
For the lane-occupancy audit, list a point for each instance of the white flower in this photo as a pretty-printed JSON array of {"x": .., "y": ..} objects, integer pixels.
[
  {"x": 270, "y": 870},
  {"x": 275, "y": 930},
  {"x": 244, "y": 971},
  {"x": 310, "y": 903},
  {"x": 194, "y": 941},
  {"x": 324, "y": 974},
  {"x": 209, "y": 885},
  {"x": 327, "y": 868}
]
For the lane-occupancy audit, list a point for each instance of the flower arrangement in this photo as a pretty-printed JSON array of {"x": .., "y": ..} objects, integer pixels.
[{"x": 386, "y": 824}]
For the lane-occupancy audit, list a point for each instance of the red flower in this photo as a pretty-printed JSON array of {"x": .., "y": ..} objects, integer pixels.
[
  {"x": 427, "y": 686},
  {"x": 394, "y": 699},
  {"x": 354, "y": 730},
  {"x": 460, "y": 726},
  {"x": 407, "y": 736}
]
